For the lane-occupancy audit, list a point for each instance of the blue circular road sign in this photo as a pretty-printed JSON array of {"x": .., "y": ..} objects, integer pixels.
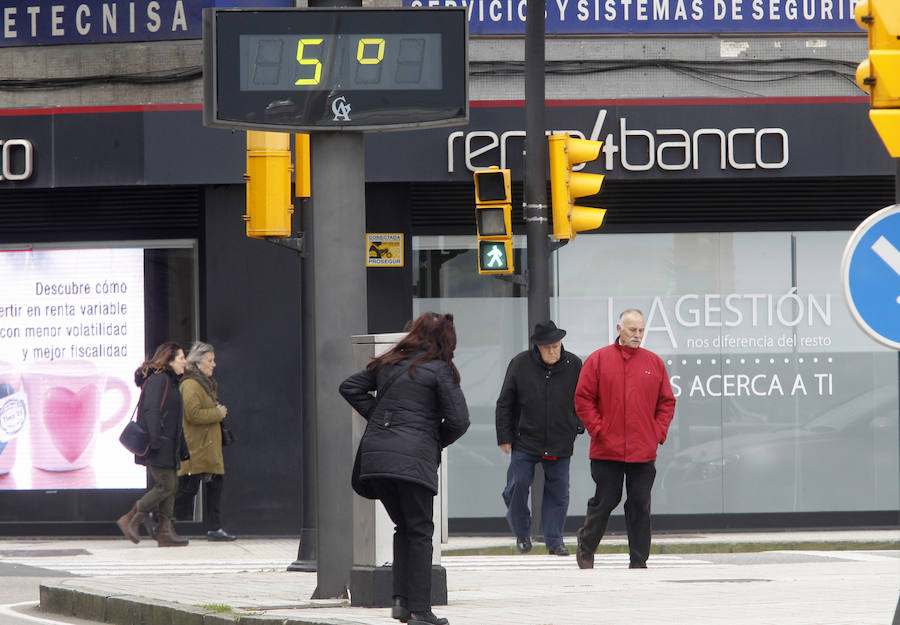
[{"x": 870, "y": 272}]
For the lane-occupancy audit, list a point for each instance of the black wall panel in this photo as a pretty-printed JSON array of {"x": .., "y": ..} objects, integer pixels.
[{"x": 251, "y": 308}]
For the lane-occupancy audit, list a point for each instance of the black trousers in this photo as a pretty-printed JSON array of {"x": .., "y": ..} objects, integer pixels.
[
  {"x": 188, "y": 485},
  {"x": 410, "y": 507},
  {"x": 608, "y": 476}
]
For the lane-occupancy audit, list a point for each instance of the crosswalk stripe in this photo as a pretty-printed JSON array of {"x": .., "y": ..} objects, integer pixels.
[
  {"x": 93, "y": 567},
  {"x": 108, "y": 568},
  {"x": 522, "y": 563}
]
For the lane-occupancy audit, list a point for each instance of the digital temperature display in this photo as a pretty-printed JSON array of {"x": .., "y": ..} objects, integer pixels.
[
  {"x": 346, "y": 68},
  {"x": 359, "y": 61}
]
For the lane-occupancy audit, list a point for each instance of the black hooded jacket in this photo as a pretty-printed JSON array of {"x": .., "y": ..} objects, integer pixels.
[
  {"x": 536, "y": 408},
  {"x": 416, "y": 417},
  {"x": 160, "y": 413}
]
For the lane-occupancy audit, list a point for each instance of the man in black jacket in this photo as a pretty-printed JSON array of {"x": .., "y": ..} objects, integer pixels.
[{"x": 536, "y": 422}]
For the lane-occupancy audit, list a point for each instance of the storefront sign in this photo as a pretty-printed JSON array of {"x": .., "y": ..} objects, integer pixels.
[
  {"x": 645, "y": 17},
  {"x": 36, "y": 22},
  {"x": 653, "y": 139},
  {"x": 16, "y": 159},
  {"x": 668, "y": 149}
]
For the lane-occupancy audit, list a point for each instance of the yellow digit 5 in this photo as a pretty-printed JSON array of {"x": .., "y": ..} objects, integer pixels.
[
  {"x": 361, "y": 51},
  {"x": 317, "y": 74}
]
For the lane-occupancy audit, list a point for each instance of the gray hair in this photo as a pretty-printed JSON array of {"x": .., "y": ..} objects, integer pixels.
[
  {"x": 621, "y": 317},
  {"x": 198, "y": 352}
]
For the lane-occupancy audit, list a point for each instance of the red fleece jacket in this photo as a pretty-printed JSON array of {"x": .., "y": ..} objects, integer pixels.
[{"x": 626, "y": 403}]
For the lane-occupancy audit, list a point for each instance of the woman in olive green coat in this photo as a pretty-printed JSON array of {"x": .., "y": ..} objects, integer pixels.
[{"x": 203, "y": 416}]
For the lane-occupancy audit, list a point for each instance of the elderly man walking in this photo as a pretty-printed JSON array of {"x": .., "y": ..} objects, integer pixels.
[
  {"x": 536, "y": 422},
  {"x": 626, "y": 403}
]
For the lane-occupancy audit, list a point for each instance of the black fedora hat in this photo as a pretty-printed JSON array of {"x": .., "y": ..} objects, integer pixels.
[{"x": 546, "y": 332}]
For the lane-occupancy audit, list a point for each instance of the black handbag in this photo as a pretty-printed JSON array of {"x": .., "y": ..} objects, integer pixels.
[
  {"x": 361, "y": 487},
  {"x": 228, "y": 436},
  {"x": 134, "y": 437}
]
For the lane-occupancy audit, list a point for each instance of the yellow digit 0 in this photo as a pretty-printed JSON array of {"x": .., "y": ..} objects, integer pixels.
[
  {"x": 317, "y": 75},
  {"x": 361, "y": 51}
]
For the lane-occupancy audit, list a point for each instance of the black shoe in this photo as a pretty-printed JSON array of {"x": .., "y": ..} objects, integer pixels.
[
  {"x": 151, "y": 524},
  {"x": 220, "y": 535},
  {"x": 559, "y": 550},
  {"x": 637, "y": 565},
  {"x": 399, "y": 611},
  {"x": 584, "y": 557},
  {"x": 426, "y": 618},
  {"x": 523, "y": 544}
]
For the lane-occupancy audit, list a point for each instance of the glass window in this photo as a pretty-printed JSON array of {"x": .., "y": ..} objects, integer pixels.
[{"x": 784, "y": 405}]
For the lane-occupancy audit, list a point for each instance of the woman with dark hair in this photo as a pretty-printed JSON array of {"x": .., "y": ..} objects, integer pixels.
[
  {"x": 159, "y": 413},
  {"x": 419, "y": 409}
]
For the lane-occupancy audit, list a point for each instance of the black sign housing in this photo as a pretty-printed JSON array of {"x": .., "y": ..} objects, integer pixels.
[{"x": 335, "y": 69}]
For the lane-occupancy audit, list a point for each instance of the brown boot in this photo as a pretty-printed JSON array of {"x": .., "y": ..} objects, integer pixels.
[
  {"x": 128, "y": 526},
  {"x": 166, "y": 535}
]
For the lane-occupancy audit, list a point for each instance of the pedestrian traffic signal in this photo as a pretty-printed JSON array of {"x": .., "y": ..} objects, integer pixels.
[
  {"x": 493, "y": 221},
  {"x": 495, "y": 257},
  {"x": 879, "y": 75},
  {"x": 566, "y": 185},
  {"x": 268, "y": 180}
]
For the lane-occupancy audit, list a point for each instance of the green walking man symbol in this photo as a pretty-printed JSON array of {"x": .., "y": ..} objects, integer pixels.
[{"x": 496, "y": 257}]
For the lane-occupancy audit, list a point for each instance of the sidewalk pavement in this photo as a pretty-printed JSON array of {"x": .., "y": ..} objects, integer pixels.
[{"x": 247, "y": 581}]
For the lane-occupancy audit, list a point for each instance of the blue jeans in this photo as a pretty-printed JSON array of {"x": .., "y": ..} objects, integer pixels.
[{"x": 555, "y": 503}]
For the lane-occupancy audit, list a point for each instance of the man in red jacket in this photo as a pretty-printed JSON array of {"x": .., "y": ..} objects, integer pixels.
[{"x": 626, "y": 403}]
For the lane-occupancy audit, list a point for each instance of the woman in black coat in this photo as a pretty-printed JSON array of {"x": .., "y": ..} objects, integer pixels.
[
  {"x": 419, "y": 410},
  {"x": 160, "y": 412}
]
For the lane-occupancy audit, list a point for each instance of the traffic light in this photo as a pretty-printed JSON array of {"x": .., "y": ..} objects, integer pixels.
[
  {"x": 879, "y": 75},
  {"x": 567, "y": 185},
  {"x": 493, "y": 209},
  {"x": 268, "y": 179}
]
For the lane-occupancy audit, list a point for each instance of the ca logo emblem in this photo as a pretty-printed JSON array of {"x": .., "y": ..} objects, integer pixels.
[{"x": 341, "y": 109}]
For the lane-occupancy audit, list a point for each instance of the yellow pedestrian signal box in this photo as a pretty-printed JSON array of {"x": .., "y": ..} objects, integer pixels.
[
  {"x": 879, "y": 75},
  {"x": 268, "y": 180},
  {"x": 493, "y": 220},
  {"x": 567, "y": 185}
]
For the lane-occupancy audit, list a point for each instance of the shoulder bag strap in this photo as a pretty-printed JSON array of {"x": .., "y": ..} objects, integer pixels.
[{"x": 384, "y": 389}]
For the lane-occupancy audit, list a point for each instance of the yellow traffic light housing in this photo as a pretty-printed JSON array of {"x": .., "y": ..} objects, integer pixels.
[
  {"x": 302, "y": 182},
  {"x": 566, "y": 185},
  {"x": 493, "y": 220},
  {"x": 879, "y": 75},
  {"x": 268, "y": 180}
]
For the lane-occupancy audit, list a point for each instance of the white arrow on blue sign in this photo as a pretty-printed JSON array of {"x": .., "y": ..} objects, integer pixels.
[{"x": 870, "y": 273}]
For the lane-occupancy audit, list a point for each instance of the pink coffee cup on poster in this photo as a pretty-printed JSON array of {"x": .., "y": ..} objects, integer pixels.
[
  {"x": 13, "y": 415},
  {"x": 64, "y": 404}
]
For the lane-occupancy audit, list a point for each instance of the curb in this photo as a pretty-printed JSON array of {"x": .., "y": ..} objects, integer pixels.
[
  {"x": 131, "y": 610},
  {"x": 693, "y": 547}
]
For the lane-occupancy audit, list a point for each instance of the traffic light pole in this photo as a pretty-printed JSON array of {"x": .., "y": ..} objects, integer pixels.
[
  {"x": 537, "y": 213},
  {"x": 535, "y": 206}
]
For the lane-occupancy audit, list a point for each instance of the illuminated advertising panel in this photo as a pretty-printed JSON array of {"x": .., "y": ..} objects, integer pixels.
[{"x": 71, "y": 336}]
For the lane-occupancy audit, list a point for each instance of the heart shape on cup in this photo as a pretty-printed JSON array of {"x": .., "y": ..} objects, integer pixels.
[{"x": 71, "y": 418}]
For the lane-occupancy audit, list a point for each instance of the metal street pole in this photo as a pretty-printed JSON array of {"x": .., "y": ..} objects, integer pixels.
[{"x": 535, "y": 206}]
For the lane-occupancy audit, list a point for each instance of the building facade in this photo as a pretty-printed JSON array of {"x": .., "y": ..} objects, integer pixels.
[{"x": 737, "y": 165}]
